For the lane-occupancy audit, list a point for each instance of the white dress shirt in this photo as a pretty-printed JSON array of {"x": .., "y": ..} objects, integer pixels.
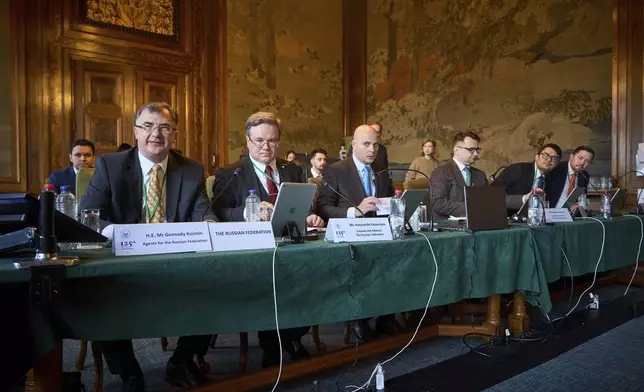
[
  {"x": 315, "y": 173},
  {"x": 535, "y": 180},
  {"x": 351, "y": 212},
  {"x": 146, "y": 167},
  {"x": 261, "y": 174},
  {"x": 461, "y": 167},
  {"x": 564, "y": 191}
]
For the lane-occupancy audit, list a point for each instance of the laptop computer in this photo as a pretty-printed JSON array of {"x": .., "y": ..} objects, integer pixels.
[
  {"x": 293, "y": 204},
  {"x": 485, "y": 208}
]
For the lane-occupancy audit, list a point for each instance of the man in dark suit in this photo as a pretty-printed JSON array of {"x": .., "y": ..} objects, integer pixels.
[
  {"x": 520, "y": 179},
  {"x": 382, "y": 158},
  {"x": 358, "y": 179},
  {"x": 568, "y": 175},
  {"x": 263, "y": 172},
  {"x": 81, "y": 156},
  {"x": 150, "y": 184},
  {"x": 449, "y": 180}
]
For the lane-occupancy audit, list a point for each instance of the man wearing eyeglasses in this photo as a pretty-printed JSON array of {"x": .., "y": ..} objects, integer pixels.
[
  {"x": 449, "y": 180},
  {"x": 520, "y": 179},
  {"x": 262, "y": 171},
  {"x": 568, "y": 175},
  {"x": 150, "y": 184}
]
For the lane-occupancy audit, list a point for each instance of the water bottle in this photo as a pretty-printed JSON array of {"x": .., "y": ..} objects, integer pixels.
[
  {"x": 66, "y": 202},
  {"x": 535, "y": 210},
  {"x": 251, "y": 213},
  {"x": 397, "y": 215},
  {"x": 605, "y": 209}
]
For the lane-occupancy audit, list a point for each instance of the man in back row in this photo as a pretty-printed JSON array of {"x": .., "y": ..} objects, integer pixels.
[{"x": 81, "y": 156}]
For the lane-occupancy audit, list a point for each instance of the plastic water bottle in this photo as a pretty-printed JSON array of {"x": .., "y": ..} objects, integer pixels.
[
  {"x": 66, "y": 202},
  {"x": 605, "y": 209},
  {"x": 251, "y": 213},
  {"x": 397, "y": 215},
  {"x": 535, "y": 210}
]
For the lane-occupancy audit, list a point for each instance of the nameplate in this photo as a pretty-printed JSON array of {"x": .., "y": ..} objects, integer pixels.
[
  {"x": 157, "y": 238},
  {"x": 358, "y": 230},
  {"x": 557, "y": 215},
  {"x": 241, "y": 236}
]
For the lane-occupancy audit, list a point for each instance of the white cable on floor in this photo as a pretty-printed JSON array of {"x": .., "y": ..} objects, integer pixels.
[
  {"x": 637, "y": 258},
  {"x": 601, "y": 254},
  {"x": 277, "y": 323},
  {"x": 431, "y": 293}
]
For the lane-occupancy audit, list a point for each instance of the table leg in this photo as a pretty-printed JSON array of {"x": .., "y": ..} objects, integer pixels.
[
  {"x": 493, "y": 311},
  {"x": 47, "y": 375},
  {"x": 518, "y": 319}
]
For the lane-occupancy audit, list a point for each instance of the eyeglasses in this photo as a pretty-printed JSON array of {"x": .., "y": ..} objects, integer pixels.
[
  {"x": 548, "y": 157},
  {"x": 261, "y": 142},
  {"x": 165, "y": 129},
  {"x": 471, "y": 150}
]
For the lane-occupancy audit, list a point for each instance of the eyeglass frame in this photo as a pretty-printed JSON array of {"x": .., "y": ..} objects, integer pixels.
[
  {"x": 471, "y": 150},
  {"x": 154, "y": 127},
  {"x": 270, "y": 142},
  {"x": 549, "y": 158}
]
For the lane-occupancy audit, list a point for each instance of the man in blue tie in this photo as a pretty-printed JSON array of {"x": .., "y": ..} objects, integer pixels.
[
  {"x": 520, "y": 179},
  {"x": 448, "y": 181},
  {"x": 360, "y": 179},
  {"x": 81, "y": 156}
]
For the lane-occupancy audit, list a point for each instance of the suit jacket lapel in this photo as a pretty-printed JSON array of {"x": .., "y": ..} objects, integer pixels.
[
  {"x": 174, "y": 178},
  {"x": 456, "y": 173},
  {"x": 134, "y": 180}
]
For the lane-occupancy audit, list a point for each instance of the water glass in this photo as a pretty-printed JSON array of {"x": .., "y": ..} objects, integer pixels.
[{"x": 91, "y": 218}]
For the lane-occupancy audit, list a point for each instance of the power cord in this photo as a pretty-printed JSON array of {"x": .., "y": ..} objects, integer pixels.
[
  {"x": 431, "y": 294},
  {"x": 639, "y": 248},
  {"x": 277, "y": 323}
]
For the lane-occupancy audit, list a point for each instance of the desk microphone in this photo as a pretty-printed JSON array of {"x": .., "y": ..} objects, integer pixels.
[
  {"x": 221, "y": 192},
  {"x": 326, "y": 184},
  {"x": 493, "y": 176},
  {"x": 429, "y": 190}
]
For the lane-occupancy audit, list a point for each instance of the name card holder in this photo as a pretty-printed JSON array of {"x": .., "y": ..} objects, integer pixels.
[
  {"x": 557, "y": 215},
  {"x": 358, "y": 230},
  {"x": 157, "y": 238},
  {"x": 241, "y": 236}
]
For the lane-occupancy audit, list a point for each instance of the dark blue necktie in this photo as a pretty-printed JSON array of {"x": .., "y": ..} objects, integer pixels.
[{"x": 540, "y": 182}]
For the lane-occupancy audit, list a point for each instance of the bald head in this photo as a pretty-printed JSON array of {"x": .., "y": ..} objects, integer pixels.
[{"x": 366, "y": 142}]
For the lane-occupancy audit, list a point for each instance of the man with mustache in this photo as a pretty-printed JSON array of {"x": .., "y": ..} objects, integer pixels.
[{"x": 568, "y": 175}]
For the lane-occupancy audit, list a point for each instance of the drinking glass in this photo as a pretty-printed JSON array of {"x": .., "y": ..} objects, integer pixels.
[{"x": 91, "y": 218}]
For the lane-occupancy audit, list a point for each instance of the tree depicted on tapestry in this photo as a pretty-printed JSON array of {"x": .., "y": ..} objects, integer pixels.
[
  {"x": 278, "y": 61},
  {"x": 438, "y": 67},
  {"x": 148, "y": 16}
]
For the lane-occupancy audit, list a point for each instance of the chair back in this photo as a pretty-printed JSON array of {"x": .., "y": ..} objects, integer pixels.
[
  {"x": 210, "y": 181},
  {"x": 83, "y": 177},
  {"x": 418, "y": 183}
]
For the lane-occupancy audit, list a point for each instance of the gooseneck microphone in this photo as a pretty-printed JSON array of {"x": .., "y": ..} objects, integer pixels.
[
  {"x": 326, "y": 184},
  {"x": 429, "y": 190},
  {"x": 221, "y": 192},
  {"x": 493, "y": 176}
]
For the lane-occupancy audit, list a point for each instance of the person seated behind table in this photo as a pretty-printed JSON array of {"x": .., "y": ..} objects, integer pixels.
[
  {"x": 520, "y": 179},
  {"x": 449, "y": 180},
  {"x": 568, "y": 175},
  {"x": 150, "y": 184},
  {"x": 356, "y": 179},
  {"x": 263, "y": 172},
  {"x": 81, "y": 156},
  {"x": 123, "y": 147}
]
